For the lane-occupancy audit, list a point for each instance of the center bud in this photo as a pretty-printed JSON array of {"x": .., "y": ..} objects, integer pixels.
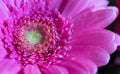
[{"x": 34, "y": 36}]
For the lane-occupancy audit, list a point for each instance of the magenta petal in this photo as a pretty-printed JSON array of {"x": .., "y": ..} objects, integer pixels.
[
  {"x": 55, "y": 4},
  {"x": 70, "y": 7},
  {"x": 4, "y": 13},
  {"x": 1, "y": 32},
  {"x": 110, "y": 47},
  {"x": 98, "y": 55},
  {"x": 18, "y": 3},
  {"x": 96, "y": 37},
  {"x": 31, "y": 69},
  {"x": 100, "y": 3},
  {"x": 3, "y": 52},
  {"x": 100, "y": 38},
  {"x": 44, "y": 70},
  {"x": 91, "y": 66},
  {"x": 95, "y": 20},
  {"x": 73, "y": 67},
  {"x": 54, "y": 69},
  {"x": 117, "y": 39},
  {"x": 9, "y": 2},
  {"x": 9, "y": 66},
  {"x": 14, "y": 7}
]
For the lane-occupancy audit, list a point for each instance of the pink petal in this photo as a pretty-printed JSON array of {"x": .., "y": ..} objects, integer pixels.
[
  {"x": 14, "y": 7},
  {"x": 3, "y": 52},
  {"x": 31, "y": 69},
  {"x": 55, "y": 4},
  {"x": 9, "y": 66},
  {"x": 98, "y": 55},
  {"x": 95, "y": 20},
  {"x": 100, "y": 3},
  {"x": 26, "y": 6},
  {"x": 1, "y": 33},
  {"x": 100, "y": 38},
  {"x": 44, "y": 70},
  {"x": 4, "y": 13},
  {"x": 117, "y": 39},
  {"x": 110, "y": 47},
  {"x": 20, "y": 7},
  {"x": 91, "y": 66},
  {"x": 18, "y": 3},
  {"x": 54, "y": 69},
  {"x": 73, "y": 67},
  {"x": 70, "y": 7},
  {"x": 9, "y": 2},
  {"x": 96, "y": 37},
  {"x": 36, "y": 4}
]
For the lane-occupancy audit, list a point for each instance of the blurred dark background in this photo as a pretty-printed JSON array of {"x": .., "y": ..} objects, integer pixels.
[{"x": 111, "y": 67}]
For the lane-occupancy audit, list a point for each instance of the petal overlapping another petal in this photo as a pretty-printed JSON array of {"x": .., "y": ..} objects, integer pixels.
[
  {"x": 96, "y": 54},
  {"x": 4, "y": 13},
  {"x": 73, "y": 67},
  {"x": 71, "y": 8},
  {"x": 98, "y": 19},
  {"x": 31, "y": 69},
  {"x": 54, "y": 69},
  {"x": 9, "y": 66}
]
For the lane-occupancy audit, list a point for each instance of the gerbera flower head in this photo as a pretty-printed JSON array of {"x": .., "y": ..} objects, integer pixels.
[
  {"x": 42, "y": 34},
  {"x": 55, "y": 37}
]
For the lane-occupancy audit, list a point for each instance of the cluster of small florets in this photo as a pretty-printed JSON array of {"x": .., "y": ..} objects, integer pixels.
[{"x": 55, "y": 34}]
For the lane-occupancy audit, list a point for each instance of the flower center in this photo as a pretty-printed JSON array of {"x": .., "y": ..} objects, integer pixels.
[
  {"x": 39, "y": 37},
  {"x": 33, "y": 36}
]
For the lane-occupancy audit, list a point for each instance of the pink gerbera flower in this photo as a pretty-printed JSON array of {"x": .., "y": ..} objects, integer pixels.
[{"x": 55, "y": 36}]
